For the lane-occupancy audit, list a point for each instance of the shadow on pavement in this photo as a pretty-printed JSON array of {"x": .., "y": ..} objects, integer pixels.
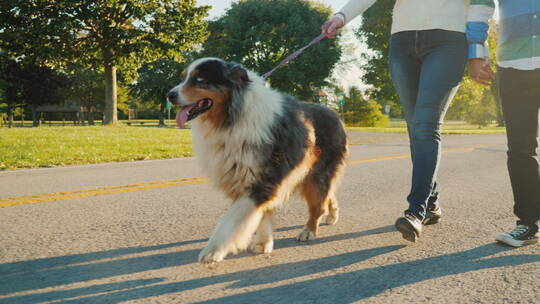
[
  {"x": 50, "y": 272},
  {"x": 269, "y": 274},
  {"x": 292, "y": 242},
  {"x": 58, "y": 271},
  {"x": 61, "y": 261},
  {"x": 333, "y": 288},
  {"x": 356, "y": 285}
]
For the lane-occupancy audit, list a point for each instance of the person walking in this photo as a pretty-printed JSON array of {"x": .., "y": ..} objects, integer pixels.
[
  {"x": 428, "y": 55},
  {"x": 519, "y": 89}
]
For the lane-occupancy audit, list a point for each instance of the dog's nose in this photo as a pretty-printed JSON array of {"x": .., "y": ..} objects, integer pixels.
[{"x": 172, "y": 96}]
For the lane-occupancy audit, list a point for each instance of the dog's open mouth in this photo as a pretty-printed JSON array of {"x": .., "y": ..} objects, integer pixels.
[{"x": 190, "y": 112}]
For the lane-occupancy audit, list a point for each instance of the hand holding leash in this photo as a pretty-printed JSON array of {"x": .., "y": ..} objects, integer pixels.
[{"x": 332, "y": 26}]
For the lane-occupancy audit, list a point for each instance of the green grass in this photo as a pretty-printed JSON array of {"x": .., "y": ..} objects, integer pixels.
[
  {"x": 449, "y": 127},
  {"x": 67, "y": 123},
  {"x": 59, "y": 146},
  {"x": 72, "y": 145}
]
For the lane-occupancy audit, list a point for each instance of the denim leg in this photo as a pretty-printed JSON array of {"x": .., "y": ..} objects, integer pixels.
[
  {"x": 442, "y": 69},
  {"x": 520, "y": 98},
  {"x": 405, "y": 71},
  {"x": 433, "y": 200}
]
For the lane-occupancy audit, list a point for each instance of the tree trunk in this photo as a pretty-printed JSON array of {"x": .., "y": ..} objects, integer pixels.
[
  {"x": 10, "y": 117},
  {"x": 161, "y": 115},
  {"x": 90, "y": 117},
  {"x": 35, "y": 118},
  {"x": 111, "y": 112},
  {"x": 82, "y": 117}
]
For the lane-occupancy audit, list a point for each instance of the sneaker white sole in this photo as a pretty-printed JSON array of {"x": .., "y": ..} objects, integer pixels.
[
  {"x": 407, "y": 230},
  {"x": 508, "y": 240}
]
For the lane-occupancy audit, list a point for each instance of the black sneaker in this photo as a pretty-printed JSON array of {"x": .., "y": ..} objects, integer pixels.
[
  {"x": 520, "y": 236},
  {"x": 433, "y": 216},
  {"x": 410, "y": 227}
]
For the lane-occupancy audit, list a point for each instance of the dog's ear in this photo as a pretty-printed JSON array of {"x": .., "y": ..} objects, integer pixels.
[
  {"x": 239, "y": 77},
  {"x": 238, "y": 74}
]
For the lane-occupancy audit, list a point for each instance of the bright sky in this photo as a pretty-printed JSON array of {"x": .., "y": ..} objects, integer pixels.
[{"x": 350, "y": 76}]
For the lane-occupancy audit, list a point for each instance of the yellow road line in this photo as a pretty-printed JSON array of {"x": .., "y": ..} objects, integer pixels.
[
  {"x": 376, "y": 159},
  {"x": 57, "y": 196},
  {"x": 402, "y": 156}
]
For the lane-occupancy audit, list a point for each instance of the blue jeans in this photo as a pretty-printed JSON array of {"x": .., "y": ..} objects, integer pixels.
[{"x": 426, "y": 68}]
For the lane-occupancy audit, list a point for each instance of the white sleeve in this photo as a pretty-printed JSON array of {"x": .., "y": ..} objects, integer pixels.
[{"x": 354, "y": 8}]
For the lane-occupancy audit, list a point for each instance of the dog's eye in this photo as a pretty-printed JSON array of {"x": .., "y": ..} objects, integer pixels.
[{"x": 199, "y": 80}]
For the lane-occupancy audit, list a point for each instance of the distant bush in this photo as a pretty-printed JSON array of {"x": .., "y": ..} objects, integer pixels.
[
  {"x": 368, "y": 116},
  {"x": 359, "y": 112}
]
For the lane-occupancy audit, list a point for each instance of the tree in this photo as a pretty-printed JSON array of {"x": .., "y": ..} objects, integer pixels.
[
  {"x": 155, "y": 80},
  {"x": 86, "y": 89},
  {"x": 40, "y": 85},
  {"x": 260, "y": 33},
  {"x": 29, "y": 84},
  {"x": 469, "y": 92},
  {"x": 360, "y": 112},
  {"x": 10, "y": 73},
  {"x": 375, "y": 32},
  {"x": 104, "y": 34},
  {"x": 493, "y": 43},
  {"x": 483, "y": 111}
]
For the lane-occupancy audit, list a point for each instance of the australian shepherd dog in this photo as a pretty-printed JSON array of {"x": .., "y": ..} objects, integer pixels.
[{"x": 258, "y": 146}]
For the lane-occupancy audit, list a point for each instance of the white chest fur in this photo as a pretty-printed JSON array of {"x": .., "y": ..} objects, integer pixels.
[{"x": 231, "y": 157}]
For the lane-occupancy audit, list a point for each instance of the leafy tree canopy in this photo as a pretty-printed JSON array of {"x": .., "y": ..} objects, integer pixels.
[
  {"x": 30, "y": 84},
  {"x": 155, "y": 80},
  {"x": 107, "y": 34},
  {"x": 375, "y": 32},
  {"x": 260, "y": 33}
]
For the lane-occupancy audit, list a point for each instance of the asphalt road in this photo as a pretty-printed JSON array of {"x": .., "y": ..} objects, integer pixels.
[{"x": 131, "y": 232}]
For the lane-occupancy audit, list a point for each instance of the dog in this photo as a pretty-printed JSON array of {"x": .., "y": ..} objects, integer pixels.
[{"x": 258, "y": 146}]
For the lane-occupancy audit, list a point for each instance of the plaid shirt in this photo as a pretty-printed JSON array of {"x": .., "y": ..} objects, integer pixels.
[{"x": 519, "y": 38}]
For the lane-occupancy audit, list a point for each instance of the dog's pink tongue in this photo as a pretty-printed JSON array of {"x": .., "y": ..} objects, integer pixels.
[{"x": 182, "y": 115}]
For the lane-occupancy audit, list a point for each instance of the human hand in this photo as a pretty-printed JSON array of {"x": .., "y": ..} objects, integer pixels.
[
  {"x": 480, "y": 71},
  {"x": 332, "y": 26}
]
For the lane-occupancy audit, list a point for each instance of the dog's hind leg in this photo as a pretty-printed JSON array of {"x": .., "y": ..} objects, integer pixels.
[
  {"x": 233, "y": 231},
  {"x": 317, "y": 202},
  {"x": 333, "y": 210},
  {"x": 263, "y": 241},
  {"x": 333, "y": 206}
]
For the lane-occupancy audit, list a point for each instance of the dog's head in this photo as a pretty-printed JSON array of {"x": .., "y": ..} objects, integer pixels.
[{"x": 212, "y": 89}]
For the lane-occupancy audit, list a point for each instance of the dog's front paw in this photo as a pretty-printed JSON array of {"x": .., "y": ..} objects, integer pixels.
[
  {"x": 306, "y": 235},
  {"x": 211, "y": 254},
  {"x": 262, "y": 247}
]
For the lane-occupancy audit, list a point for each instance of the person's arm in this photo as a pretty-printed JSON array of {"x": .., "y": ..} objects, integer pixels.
[
  {"x": 350, "y": 11},
  {"x": 480, "y": 11},
  {"x": 354, "y": 8}
]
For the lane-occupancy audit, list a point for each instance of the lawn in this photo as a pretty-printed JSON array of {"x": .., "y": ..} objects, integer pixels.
[
  {"x": 59, "y": 146},
  {"x": 25, "y": 147}
]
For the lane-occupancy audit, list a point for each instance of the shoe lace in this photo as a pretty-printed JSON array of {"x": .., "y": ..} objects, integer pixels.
[{"x": 519, "y": 230}]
